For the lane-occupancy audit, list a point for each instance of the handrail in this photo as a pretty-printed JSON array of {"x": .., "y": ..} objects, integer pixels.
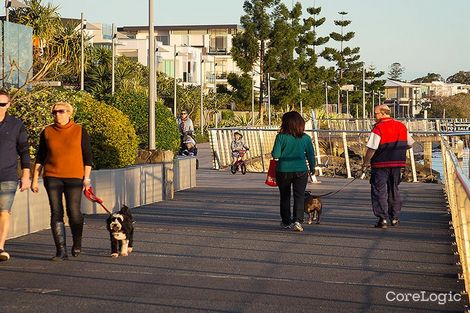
[{"x": 457, "y": 188}]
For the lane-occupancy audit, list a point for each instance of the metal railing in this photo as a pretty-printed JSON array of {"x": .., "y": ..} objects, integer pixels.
[
  {"x": 261, "y": 141},
  {"x": 457, "y": 188}
]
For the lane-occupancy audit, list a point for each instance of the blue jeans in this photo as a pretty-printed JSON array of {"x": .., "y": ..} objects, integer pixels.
[
  {"x": 7, "y": 194},
  {"x": 298, "y": 182},
  {"x": 385, "y": 196}
]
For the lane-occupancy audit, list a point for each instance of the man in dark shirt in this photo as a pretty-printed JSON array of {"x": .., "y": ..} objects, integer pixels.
[{"x": 13, "y": 143}]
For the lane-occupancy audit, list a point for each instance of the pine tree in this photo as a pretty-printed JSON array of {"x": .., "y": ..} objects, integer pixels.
[
  {"x": 346, "y": 58},
  {"x": 308, "y": 50},
  {"x": 248, "y": 48},
  {"x": 395, "y": 71}
]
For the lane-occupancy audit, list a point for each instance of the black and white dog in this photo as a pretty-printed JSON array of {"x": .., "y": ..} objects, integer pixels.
[{"x": 121, "y": 231}]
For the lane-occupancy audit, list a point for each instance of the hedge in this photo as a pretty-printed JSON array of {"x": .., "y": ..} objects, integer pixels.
[
  {"x": 113, "y": 139},
  {"x": 135, "y": 106}
]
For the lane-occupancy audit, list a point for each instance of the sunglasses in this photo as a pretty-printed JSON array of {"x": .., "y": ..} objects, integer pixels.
[
  {"x": 54, "y": 112},
  {"x": 184, "y": 113},
  {"x": 3, "y": 104}
]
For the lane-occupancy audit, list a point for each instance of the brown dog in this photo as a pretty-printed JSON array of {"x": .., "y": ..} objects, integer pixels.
[{"x": 312, "y": 207}]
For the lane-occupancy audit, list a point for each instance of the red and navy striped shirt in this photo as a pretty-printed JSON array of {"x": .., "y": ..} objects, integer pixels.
[{"x": 390, "y": 140}]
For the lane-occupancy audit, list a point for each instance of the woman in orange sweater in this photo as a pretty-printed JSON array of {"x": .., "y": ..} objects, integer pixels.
[{"x": 64, "y": 154}]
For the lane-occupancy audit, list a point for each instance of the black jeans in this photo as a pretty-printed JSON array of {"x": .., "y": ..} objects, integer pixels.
[
  {"x": 72, "y": 189},
  {"x": 385, "y": 196},
  {"x": 297, "y": 181}
]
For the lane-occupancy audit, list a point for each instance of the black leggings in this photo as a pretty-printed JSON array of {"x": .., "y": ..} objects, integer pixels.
[
  {"x": 297, "y": 182},
  {"x": 72, "y": 189}
]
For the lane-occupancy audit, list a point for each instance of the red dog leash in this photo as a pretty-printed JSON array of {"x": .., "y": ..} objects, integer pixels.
[{"x": 93, "y": 198}]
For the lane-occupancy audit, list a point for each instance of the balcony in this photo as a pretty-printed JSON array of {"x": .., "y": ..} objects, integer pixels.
[{"x": 218, "y": 51}]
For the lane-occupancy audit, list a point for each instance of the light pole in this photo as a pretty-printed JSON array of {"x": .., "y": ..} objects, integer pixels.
[
  {"x": 326, "y": 99},
  {"x": 82, "y": 52},
  {"x": 269, "y": 99},
  {"x": 113, "y": 42},
  {"x": 301, "y": 103},
  {"x": 252, "y": 98},
  {"x": 363, "y": 92},
  {"x": 202, "y": 98},
  {"x": 151, "y": 60},
  {"x": 174, "y": 81}
]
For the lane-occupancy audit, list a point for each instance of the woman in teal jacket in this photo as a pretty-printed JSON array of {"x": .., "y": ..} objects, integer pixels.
[{"x": 293, "y": 148}]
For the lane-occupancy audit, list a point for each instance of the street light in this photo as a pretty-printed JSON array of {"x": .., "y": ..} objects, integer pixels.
[
  {"x": 151, "y": 60},
  {"x": 174, "y": 81},
  {"x": 82, "y": 52},
  {"x": 202, "y": 98},
  {"x": 253, "y": 97},
  {"x": 363, "y": 92},
  {"x": 113, "y": 38},
  {"x": 300, "y": 91}
]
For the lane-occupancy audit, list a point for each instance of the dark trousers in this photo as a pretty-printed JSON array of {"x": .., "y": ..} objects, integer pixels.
[
  {"x": 297, "y": 181},
  {"x": 386, "y": 201},
  {"x": 71, "y": 188}
]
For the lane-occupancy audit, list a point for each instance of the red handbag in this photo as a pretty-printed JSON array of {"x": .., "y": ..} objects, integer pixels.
[{"x": 271, "y": 178}]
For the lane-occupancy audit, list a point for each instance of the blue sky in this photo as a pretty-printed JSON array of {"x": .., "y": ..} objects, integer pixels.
[{"x": 423, "y": 35}]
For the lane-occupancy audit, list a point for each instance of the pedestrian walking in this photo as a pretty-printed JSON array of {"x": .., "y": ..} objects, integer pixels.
[
  {"x": 386, "y": 153},
  {"x": 13, "y": 143},
  {"x": 64, "y": 156},
  {"x": 293, "y": 148}
]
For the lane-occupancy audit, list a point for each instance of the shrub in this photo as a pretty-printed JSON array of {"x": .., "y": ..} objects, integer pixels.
[
  {"x": 227, "y": 114},
  {"x": 113, "y": 139},
  {"x": 135, "y": 106},
  {"x": 167, "y": 135}
]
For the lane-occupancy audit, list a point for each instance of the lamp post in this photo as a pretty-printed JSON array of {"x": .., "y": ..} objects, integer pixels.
[
  {"x": 363, "y": 92},
  {"x": 82, "y": 52},
  {"x": 253, "y": 97},
  {"x": 151, "y": 60},
  {"x": 269, "y": 99},
  {"x": 174, "y": 81},
  {"x": 326, "y": 99},
  {"x": 202, "y": 98},
  {"x": 301, "y": 103},
  {"x": 113, "y": 42}
]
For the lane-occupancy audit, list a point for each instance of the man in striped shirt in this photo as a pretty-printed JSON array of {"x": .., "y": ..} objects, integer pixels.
[{"x": 386, "y": 152}]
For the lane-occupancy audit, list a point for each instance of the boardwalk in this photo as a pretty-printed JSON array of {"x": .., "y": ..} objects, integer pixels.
[{"x": 218, "y": 248}]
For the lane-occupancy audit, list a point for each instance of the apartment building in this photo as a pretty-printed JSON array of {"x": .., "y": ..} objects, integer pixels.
[
  {"x": 193, "y": 53},
  {"x": 403, "y": 98},
  {"x": 441, "y": 89}
]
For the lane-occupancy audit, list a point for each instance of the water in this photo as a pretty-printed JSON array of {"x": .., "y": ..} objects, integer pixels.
[{"x": 437, "y": 162}]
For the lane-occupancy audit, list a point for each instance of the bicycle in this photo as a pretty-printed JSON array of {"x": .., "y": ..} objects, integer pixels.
[{"x": 239, "y": 164}]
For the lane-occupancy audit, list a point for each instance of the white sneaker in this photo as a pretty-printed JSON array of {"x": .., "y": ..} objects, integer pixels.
[
  {"x": 298, "y": 227},
  {"x": 4, "y": 256}
]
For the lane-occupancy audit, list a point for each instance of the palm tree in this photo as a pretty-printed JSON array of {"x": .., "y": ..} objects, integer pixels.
[{"x": 56, "y": 44}]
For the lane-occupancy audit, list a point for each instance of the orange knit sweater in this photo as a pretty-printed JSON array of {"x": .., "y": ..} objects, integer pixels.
[{"x": 64, "y": 158}]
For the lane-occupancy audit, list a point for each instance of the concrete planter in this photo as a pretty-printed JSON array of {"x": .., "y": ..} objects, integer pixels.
[{"x": 133, "y": 186}]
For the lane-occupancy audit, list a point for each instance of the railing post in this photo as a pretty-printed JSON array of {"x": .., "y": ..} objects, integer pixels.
[
  {"x": 315, "y": 140},
  {"x": 413, "y": 165},
  {"x": 260, "y": 136},
  {"x": 214, "y": 142},
  {"x": 346, "y": 155},
  {"x": 226, "y": 149}
]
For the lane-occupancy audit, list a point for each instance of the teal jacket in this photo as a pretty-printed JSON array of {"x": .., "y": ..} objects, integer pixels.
[{"x": 293, "y": 153}]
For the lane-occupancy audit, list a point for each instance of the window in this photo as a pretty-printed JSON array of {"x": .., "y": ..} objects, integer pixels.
[
  {"x": 165, "y": 40},
  {"x": 218, "y": 44}
]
